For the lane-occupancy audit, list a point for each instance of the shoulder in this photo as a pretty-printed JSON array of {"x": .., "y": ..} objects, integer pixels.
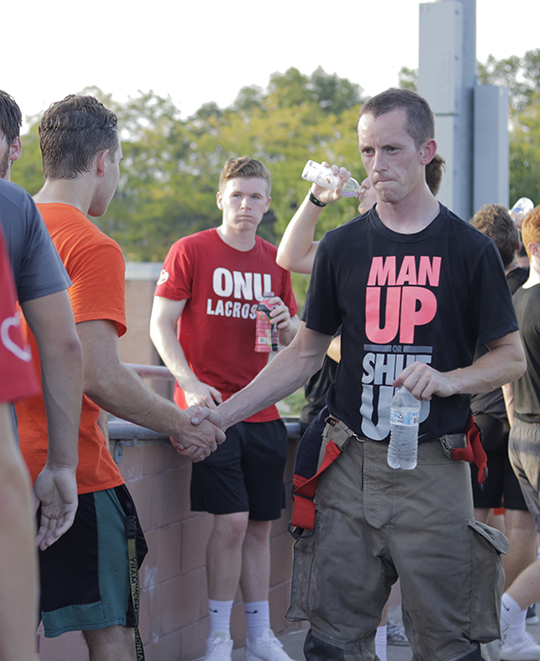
[
  {"x": 204, "y": 240},
  {"x": 464, "y": 229},
  {"x": 13, "y": 195}
]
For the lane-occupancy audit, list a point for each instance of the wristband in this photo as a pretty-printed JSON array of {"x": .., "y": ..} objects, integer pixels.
[{"x": 315, "y": 201}]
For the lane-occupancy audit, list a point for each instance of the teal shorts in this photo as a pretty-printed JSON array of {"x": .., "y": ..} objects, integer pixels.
[{"x": 84, "y": 575}]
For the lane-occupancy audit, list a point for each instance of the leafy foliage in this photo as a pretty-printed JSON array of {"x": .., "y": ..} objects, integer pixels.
[{"x": 171, "y": 165}]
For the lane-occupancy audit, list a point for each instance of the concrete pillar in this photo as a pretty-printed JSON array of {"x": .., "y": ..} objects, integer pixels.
[{"x": 446, "y": 78}]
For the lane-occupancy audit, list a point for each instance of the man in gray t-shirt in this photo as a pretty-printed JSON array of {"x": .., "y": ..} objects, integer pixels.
[{"x": 42, "y": 283}]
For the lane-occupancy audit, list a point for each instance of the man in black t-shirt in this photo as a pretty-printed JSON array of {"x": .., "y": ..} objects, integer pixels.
[
  {"x": 501, "y": 489},
  {"x": 414, "y": 289},
  {"x": 523, "y": 404}
]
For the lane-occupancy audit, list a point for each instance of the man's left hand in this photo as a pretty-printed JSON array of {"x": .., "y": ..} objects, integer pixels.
[
  {"x": 280, "y": 315},
  {"x": 423, "y": 381}
]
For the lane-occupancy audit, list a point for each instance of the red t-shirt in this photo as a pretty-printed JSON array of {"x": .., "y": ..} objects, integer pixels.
[
  {"x": 217, "y": 328},
  {"x": 18, "y": 378},
  {"x": 96, "y": 267}
]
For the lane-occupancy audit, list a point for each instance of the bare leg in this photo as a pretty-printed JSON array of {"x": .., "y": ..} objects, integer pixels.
[
  {"x": 224, "y": 555},
  {"x": 521, "y": 533},
  {"x": 255, "y": 575},
  {"x": 18, "y": 575},
  {"x": 111, "y": 644},
  {"x": 525, "y": 590}
]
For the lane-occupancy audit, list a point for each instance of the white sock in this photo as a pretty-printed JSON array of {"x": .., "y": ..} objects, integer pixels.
[
  {"x": 380, "y": 642},
  {"x": 258, "y": 618},
  {"x": 220, "y": 615},
  {"x": 517, "y": 625},
  {"x": 510, "y": 609}
]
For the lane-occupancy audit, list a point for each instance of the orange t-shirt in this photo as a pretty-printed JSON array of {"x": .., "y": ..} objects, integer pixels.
[{"x": 96, "y": 267}]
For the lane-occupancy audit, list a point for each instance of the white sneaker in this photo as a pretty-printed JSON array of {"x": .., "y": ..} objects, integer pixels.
[
  {"x": 219, "y": 647},
  {"x": 491, "y": 651},
  {"x": 266, "y": 648},
  {"x": 524, "y": 649}
]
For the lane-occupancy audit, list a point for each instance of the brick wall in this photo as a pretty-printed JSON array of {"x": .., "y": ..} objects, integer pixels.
[{"x": 174, "y": 612}]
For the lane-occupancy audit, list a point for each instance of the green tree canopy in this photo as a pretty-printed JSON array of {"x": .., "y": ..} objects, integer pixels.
[{"x": 171, "y": 166}]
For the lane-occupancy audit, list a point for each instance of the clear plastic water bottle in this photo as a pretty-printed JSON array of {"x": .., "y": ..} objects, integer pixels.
[
  {"x": 323, "y": 176},
  {"x": 521, "y": 208},
  {"x": 404, "y": 421}
]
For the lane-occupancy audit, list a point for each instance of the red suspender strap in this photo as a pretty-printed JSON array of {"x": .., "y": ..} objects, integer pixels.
[
  {"x": 335, "y": 437},
  {"x": 474, "y": 450}
]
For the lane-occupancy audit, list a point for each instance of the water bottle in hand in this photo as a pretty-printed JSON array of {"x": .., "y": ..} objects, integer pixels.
[{"x": 404, "y": 421}]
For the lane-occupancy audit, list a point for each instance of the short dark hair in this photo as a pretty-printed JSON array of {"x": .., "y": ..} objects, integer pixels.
[
  {"x": 434, "y": 173},
  {"x": 246, "y": 168},
  {"x": 72, "y": 132},
  {"x": 494, "y": 221},
  {"x": 420, "y": 121},
  {"x": 10, "y": 117}
]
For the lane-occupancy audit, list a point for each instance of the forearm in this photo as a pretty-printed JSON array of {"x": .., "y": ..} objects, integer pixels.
[
  {"x": 503, "y": 364},
  {"x": 123, "y": 393},
  {"x": 171, "y": 352},
  {"x": 288, "y": 371},
  {"x": 297, "y": 249},
  {"x": 508, "y": 392},
  {"x": 51, "y": 320},
  {"x": 61, "y": 379},
  {"x": 18, "y": 582},
  {"x": 287, "y": 335}
]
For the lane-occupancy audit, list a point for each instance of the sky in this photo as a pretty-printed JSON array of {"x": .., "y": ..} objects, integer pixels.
[{"x": 197, "y": 52}]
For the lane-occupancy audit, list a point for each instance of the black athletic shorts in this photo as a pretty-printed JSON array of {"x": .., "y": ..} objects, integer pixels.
[
  {"x": 245, "y": 473},
  {"x": 501, "y": 489}
]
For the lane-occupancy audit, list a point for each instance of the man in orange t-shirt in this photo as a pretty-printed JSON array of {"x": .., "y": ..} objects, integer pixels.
[{"x": 84, "y": 576}]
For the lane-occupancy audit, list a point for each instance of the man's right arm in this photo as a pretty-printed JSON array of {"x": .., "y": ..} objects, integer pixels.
[
  {"x": 285, "y": 373},
  {"x": 163, "y": 321},
  {"x": 115, "y": 387}
]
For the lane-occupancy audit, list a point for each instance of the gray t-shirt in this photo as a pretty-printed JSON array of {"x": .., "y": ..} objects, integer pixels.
[{"x": 37, "y": 267}]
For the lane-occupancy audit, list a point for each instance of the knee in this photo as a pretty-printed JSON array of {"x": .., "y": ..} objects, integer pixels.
[
  {"x": 230, "y": 529},
  {"x": 259, "y": 531}
]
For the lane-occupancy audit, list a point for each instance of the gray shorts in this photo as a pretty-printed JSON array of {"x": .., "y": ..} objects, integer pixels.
[
  {"x": 524, "y": 452},
  {"x": 375, "y": 524}
]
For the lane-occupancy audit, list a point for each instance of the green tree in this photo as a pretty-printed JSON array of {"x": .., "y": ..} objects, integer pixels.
[
  {"x": 520, "y": 75},
  {"x": 171, "y": 165}
]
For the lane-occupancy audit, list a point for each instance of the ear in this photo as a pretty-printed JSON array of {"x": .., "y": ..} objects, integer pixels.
[
  {"x": 533, "y": 248},
  {"x": 428, "y": 151},
  {"x": 219, "y": 200},
  {"x": 101, "y": 162},
  {"x": 15, "y": 150},
  {"x": 267, "y": 204}
]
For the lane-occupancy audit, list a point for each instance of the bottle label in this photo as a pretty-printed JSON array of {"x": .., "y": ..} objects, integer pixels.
[
  {"x": 404, "y": 417},
  {"x": 266, "y": 333}
]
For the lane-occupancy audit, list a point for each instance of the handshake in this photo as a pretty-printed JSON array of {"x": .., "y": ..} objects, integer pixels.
[{"x": 201, "y": 433}]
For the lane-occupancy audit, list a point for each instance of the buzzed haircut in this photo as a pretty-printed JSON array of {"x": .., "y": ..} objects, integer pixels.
[
  {"x": 10, "y": 117},
  {"x": 530, "y": 229},
  {"x": 246, "y": 168},
  {"x": 72, "y": 132},
  {"x": 495, "y": 221},
  {"x": 420, "y": 121}
]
